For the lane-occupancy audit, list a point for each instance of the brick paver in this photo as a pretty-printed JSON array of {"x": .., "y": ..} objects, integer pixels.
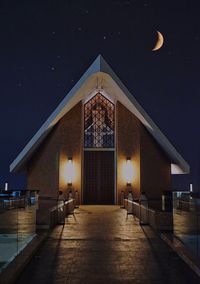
[{"x": 99, "y": 245}]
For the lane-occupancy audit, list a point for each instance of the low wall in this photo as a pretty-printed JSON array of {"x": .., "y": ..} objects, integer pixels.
[
  {"x": 47, "y": 218},
  {"x": 158, "y": 220}
]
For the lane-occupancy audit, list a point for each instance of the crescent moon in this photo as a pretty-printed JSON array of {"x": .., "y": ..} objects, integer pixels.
[{"x": 160, "y": 41}]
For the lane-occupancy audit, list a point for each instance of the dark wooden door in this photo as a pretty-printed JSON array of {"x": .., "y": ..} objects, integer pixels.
[{"x": 98, "y": 177}]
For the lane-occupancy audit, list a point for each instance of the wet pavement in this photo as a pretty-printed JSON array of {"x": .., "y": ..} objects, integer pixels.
[{"x": 100, "y": 245}]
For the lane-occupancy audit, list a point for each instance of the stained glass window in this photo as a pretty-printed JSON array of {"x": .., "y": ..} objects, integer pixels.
[{"x": 99, "y": 122}]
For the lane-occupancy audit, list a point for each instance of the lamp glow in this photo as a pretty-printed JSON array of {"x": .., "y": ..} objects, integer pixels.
[
  {"x": 129, "y": 171},
  {"x": 69, "y": 170}
]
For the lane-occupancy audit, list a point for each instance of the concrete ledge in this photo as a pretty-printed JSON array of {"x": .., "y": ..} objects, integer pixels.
[
  {"x": 14, "y": 268},
  {"x": 180, "y": 249},
  {"x": 48, "y": 218},
  {"x": 158, "y": 220}
]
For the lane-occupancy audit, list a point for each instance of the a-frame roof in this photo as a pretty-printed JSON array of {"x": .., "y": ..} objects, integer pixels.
[{"x": 102, "y": 73}]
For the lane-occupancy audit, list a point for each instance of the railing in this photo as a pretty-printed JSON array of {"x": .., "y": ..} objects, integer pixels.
[
  {"x": 22, "y": 212},
  {"x": 17, "y": 222},
  {"x": 160, "y": 220},
  {"x": 52, "y": 211},
  {"x": 186, "y": 217},
  {"x": 183, "y": 220}
]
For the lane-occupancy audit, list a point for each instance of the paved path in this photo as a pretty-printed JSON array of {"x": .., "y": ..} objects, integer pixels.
[{"x": 100, "y": 246}]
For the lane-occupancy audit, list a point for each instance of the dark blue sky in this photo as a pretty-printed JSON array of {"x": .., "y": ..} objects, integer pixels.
[{"x": 47, "y": 45}]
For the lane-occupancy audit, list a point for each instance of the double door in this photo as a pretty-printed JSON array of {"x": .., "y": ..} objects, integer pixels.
[{"x": 99, "y": 177}]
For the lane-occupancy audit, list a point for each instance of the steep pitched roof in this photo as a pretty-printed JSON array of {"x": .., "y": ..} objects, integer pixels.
[{"x": 100, "y": 71}]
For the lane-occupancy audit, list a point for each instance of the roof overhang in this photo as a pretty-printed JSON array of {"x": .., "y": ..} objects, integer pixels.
[{"x": 100, "y": 76}]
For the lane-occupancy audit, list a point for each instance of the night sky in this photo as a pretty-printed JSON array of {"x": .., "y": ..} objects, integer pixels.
[{"x": 47, "y": 45}]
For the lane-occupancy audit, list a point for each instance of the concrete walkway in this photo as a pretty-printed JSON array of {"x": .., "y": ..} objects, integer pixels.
[{"x": 98, "y": 245}]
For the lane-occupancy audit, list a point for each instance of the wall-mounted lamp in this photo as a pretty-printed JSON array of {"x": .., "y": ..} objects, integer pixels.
[
  {"x": 69, "y": 171},
  {"x": 129, "y": 171}
]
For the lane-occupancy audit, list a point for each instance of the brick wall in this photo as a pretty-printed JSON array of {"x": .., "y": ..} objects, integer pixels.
[
  {"x": 155, "y": 167},
  {"x": 46, "y": 168},
  {"x": 71, "y": 146},
  {"x": 152, "y": 168},
  {"x": 128, "y": 145},
  {"x": 43, "y": 167}
]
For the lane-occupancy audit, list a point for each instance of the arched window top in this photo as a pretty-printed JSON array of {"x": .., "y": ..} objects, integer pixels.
[{"x": 99, "y": 122}]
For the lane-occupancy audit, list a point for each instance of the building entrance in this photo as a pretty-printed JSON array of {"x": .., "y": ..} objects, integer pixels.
[{"x": 99, "y": 177}]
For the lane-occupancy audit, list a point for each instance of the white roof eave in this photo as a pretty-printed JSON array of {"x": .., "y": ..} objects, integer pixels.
[{"x": 77, "y": 93}]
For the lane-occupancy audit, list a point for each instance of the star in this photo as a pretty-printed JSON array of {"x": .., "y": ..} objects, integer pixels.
[
  {"x": 104, "y": 37},
  {"x": 85, "y": 11},
  {"x": 52, "y": 68}
]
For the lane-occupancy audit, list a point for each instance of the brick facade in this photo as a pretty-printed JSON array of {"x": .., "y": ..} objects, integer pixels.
[
  {"x": 71, "y": 146},
  {"x": 152, "y": 168},
  {"x": 128, "y": 145},
  {"x": 43, "y": 167},
  {"x": 155, "y": 167},
  {"x": 46, "y": 170}
]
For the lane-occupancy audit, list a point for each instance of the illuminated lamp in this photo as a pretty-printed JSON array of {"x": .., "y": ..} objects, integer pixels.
[
  {"x": 69, "y": 170},
  {"x": 129, "y": 171}
]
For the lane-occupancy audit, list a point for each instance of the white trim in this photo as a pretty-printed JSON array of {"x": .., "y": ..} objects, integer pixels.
[
  {"x": 116, "y": 89},
  {"x": 93, "y": 94}
]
